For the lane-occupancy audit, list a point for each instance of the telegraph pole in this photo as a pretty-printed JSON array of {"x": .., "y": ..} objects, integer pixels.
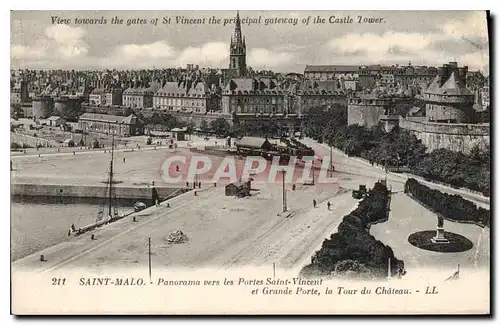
[
  {"x": 386, "y": 158},
  {"x": 284, "y": 192},
  {"x": 312, "y": 170},
  {"x": 331, "y": 161}
]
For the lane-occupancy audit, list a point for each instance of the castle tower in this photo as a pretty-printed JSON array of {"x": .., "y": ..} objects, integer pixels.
[
  {"x": 238, "y": 50},
  {"x": 447, "y": 98}
]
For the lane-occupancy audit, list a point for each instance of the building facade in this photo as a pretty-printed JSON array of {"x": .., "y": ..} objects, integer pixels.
[
  {"x": 113, "y": 97},
  {"x": 19, "y": 93},
  {"x": 312, "y": 93},
  {"x": 331, "y": 72},
  {"x": 253, "y": 96},
  {"x": 189, "y": 96},
  {"x": 367, "y": 109},
  {"x": 111, "y": 124},
  {"x": 139, "y": 96},
  {"x": 97, "y": 97}
]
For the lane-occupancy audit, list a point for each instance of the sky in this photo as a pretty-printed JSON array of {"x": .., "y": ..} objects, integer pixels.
[{"x": 420, "y": 37}]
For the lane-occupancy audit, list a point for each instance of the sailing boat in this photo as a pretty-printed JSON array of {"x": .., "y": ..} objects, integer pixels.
[{"x": 112, "y": 207}]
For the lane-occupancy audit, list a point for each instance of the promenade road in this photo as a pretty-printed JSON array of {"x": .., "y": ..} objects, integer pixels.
[{"x": 223, "y": 231}]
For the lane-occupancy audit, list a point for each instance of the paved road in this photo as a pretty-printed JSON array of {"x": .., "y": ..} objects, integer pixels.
[
  {"x": 355, "y": 167},
  {"x": 226, "y": 232}
]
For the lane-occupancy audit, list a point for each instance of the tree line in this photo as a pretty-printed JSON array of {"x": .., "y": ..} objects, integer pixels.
[{"x": 401, "y": 148}]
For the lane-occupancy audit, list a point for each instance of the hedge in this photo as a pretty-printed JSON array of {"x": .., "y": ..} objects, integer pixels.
[
  {"x": 352, "y": 242},
  {"x": 451, "y": 207}
]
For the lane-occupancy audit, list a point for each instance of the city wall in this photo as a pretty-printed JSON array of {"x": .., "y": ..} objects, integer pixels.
[
  {"x": 456, "y": 137},
  {"x": 364, "y": 115},
  {"x": 122, "y": 192}
]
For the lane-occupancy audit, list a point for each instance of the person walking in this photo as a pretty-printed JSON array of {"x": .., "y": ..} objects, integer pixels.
[
  {"x": 314, "y": 203},
  {"x": 328, "y": 205}
]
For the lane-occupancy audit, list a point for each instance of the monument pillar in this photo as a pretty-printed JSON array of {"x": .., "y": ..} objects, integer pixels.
[{"x": 440, "y": 238}]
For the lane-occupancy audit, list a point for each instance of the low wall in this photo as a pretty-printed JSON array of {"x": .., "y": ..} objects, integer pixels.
[
  {"x": 31, "y": 141},
  {"x": 197, "y": 118},
  {"x": 455, "y": 137},
  {"x": 122, "y": 192}
]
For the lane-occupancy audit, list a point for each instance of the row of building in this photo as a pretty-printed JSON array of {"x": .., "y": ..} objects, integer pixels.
[{"x": 365, "y": 77}]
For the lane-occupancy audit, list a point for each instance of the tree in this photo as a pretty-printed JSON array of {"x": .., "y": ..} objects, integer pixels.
[
  {"x": 204, "y": 125},
  {"x": 475, "y": 80},
  {"x": 322, "y": 119},
  {"x": 190, "y": 127},
  {"x": 220, "y": 126},
  {"x": 128, "y": 111}
]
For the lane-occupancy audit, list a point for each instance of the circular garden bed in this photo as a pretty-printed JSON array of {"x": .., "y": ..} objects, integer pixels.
[{"x": 457, "y": 243}]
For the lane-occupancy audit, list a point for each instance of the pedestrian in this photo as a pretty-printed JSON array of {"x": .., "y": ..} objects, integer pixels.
[
  {"x": 293, "y": 187},
  {"x": 199, "y": 184},
  {"x": 157, "y": 203},
  {"x": 177, "y": 168},
  {"x": 328, "y": 205},
  {"x": 314, "y": 203}
]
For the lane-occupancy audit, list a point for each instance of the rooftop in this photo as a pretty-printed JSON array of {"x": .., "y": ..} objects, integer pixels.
[
  {"x": 451, "y": 87},
  {"x": 109, "y": 118},
  {"x": 331, "y": 68}
]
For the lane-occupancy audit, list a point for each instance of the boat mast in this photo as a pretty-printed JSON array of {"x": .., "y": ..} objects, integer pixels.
[{"x": 111, "y": 174}]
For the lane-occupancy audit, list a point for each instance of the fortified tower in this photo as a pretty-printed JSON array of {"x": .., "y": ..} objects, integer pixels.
[
  {"x": 447, "y": 97},
  {"x": 237, "y": 51}
]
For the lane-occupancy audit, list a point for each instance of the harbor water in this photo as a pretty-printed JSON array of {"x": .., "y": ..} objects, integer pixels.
[{"x": 38, "y": 223}]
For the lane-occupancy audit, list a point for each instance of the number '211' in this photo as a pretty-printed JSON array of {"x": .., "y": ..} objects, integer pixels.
[{"x": 58, "y": 281}]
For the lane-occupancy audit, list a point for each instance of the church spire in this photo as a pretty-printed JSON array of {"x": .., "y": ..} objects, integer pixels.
[
  {"x": 237, "y": 49},
  {"x": 236, "y": 38}
]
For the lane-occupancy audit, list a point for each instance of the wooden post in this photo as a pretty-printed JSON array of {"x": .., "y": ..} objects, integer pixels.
[{"x": 149, "y": 254}]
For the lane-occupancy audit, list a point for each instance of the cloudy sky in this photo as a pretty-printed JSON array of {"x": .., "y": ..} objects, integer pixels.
[{"x": 422, "y": 37}]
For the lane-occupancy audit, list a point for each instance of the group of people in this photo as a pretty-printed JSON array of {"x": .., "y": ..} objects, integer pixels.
[
  {"x": 328, "y": 204},
  {"x": 195, "y": 184}
]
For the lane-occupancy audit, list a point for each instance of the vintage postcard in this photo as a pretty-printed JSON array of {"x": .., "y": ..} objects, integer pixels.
[{"x": 250, "y": 162}]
